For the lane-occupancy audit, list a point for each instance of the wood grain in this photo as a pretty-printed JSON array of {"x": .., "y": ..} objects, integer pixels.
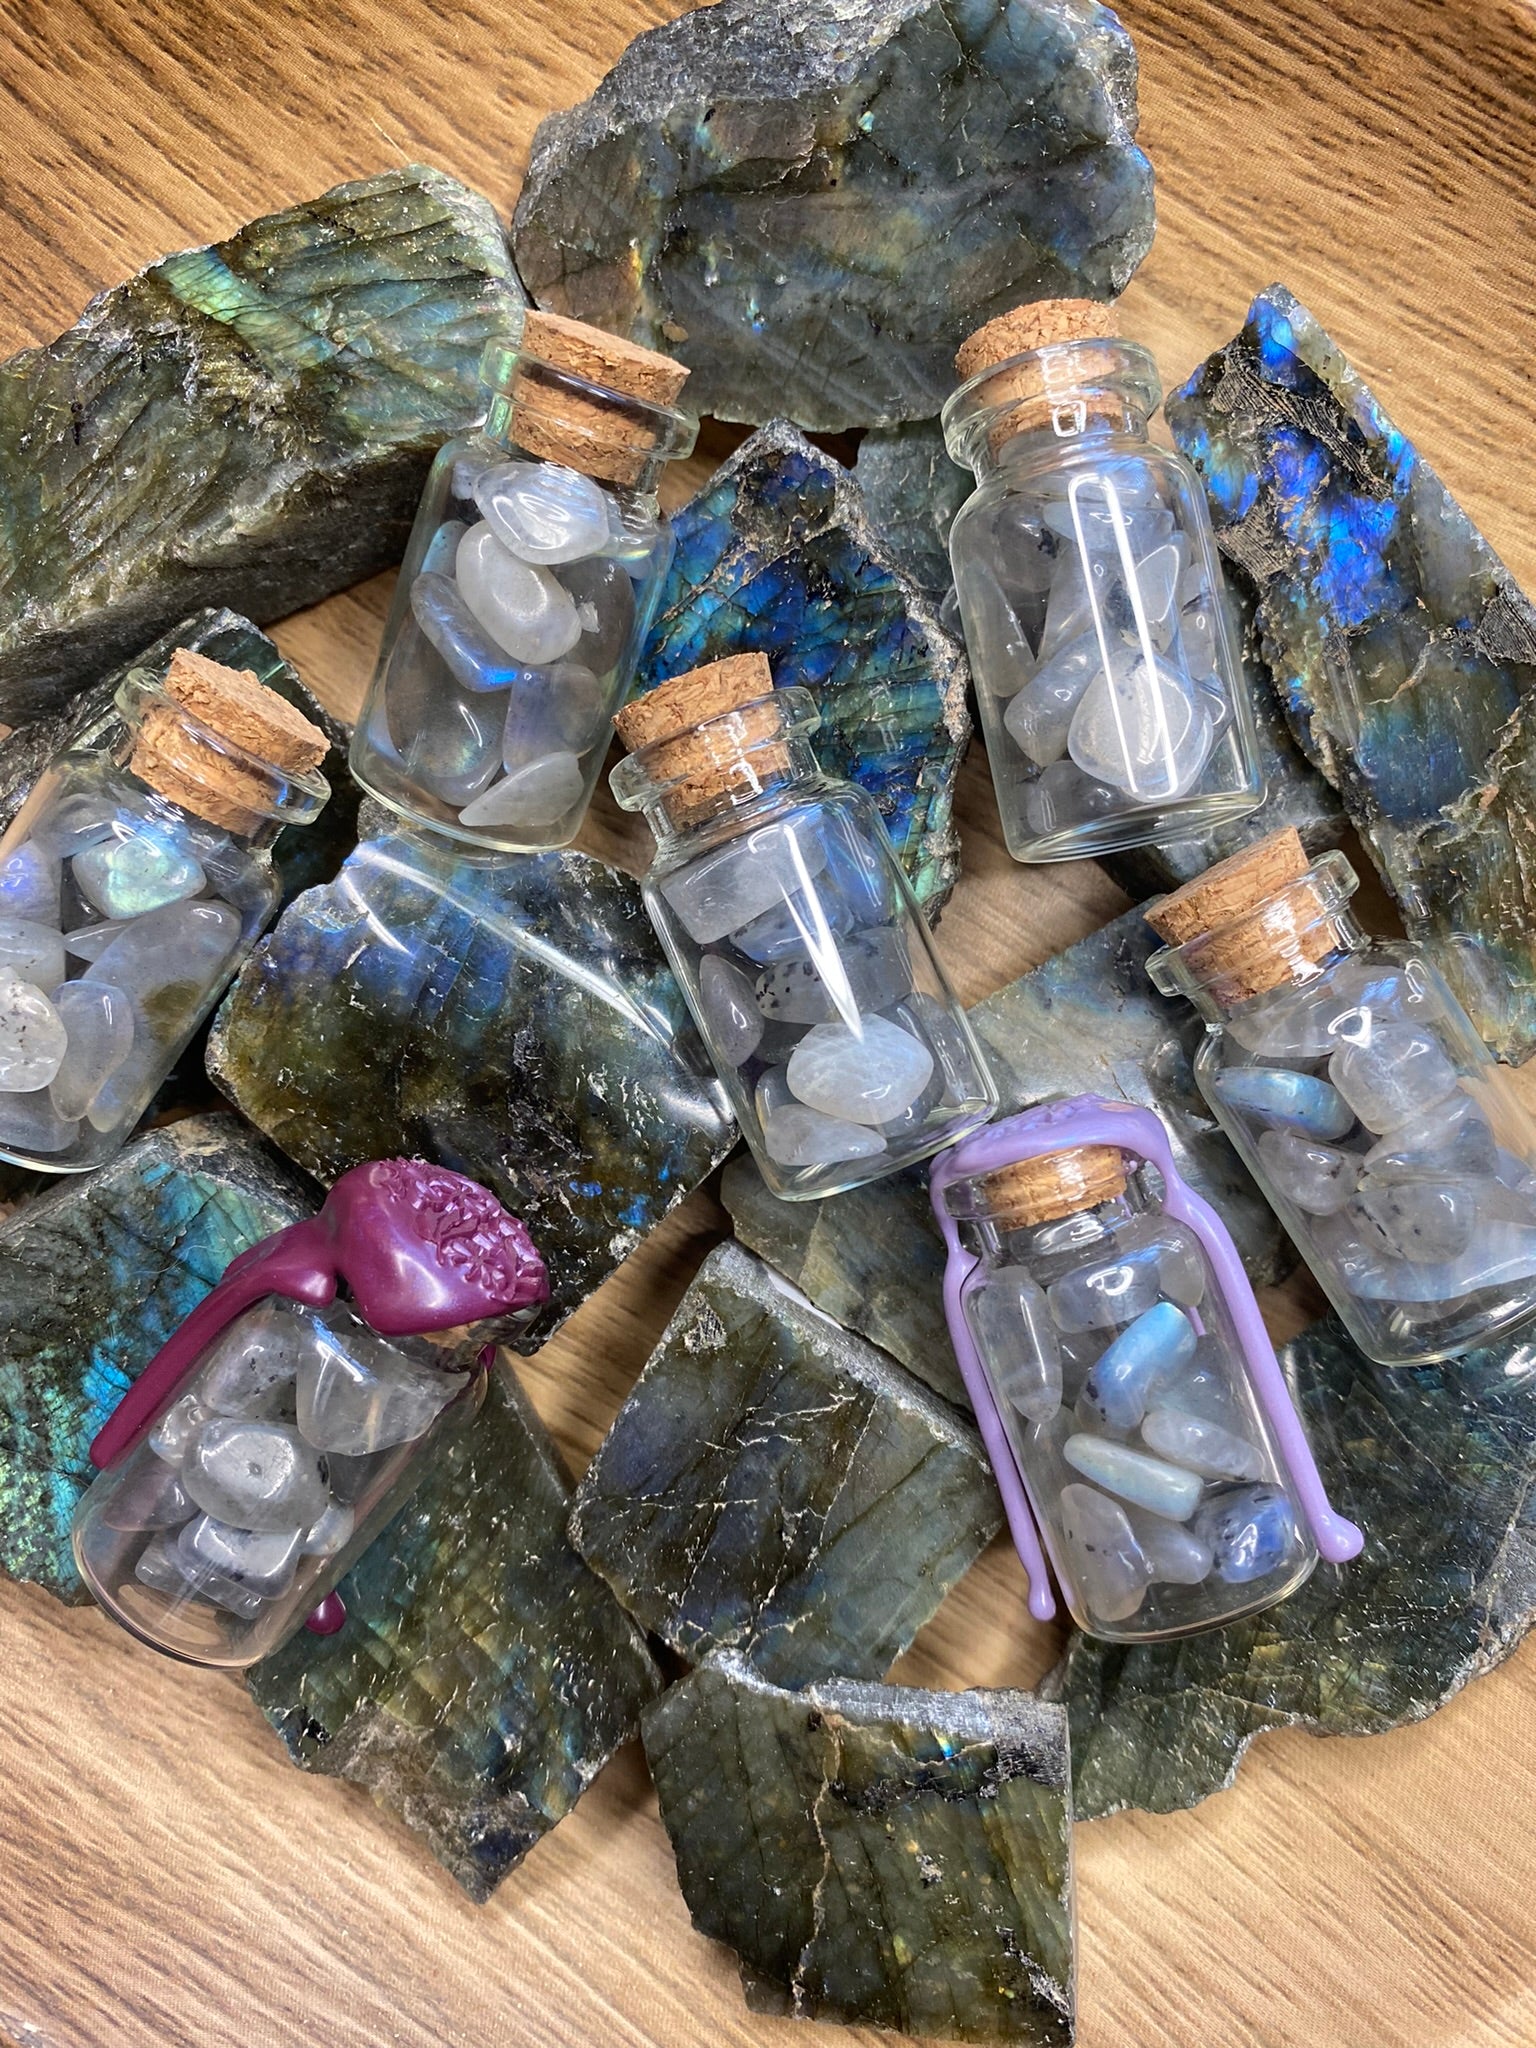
[{"x": 169, "y": 1882}]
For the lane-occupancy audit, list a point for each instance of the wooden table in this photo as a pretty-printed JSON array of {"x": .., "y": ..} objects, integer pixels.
[{"x": 168, "y": 1878}]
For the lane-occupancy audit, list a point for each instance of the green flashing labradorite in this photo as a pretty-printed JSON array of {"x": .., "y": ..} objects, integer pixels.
[
  {"x": 812, "y": 206},
  {"x": 1438, "y": 1465},
  {"x": 247, "y": 424},
  {"x": 483, "y": 1676},
  {"x": 778, "y": 1487},
  {"x": 876, "y": 1855}
]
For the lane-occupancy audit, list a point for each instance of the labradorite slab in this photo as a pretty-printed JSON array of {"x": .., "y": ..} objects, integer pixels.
[
  {"x": 246, "y": 424},
  {"x": 94, "y": 1276},
  {"x": 874, "y": 1854},
  {"x": 483, "y": 1676},
  {"x": 776, "y": 556},
  {"x": 1088, "y": 1021},
  {"x": 812, "y": 207},
  {"x": 513, "y": 1019},
  {"x": 912, "y": 492},
  {"x": 1402, "y": 649},
  {"x": 1438, "y": 1466},
  {"x": 775, "y": 1486}
]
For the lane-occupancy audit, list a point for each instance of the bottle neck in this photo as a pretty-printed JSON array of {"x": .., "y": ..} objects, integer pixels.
[
  {"x": 189, "y": 770},
  {"x": 1037, "y": 407},
  {"x": 756, "y": 789}
]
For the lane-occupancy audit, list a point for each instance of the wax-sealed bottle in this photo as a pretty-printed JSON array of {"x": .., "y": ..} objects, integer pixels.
[
  {"x": 532, "y": 573},
  {"x": 275, "y": 1434},
  {"x": 1362, "y": 1100},
  {"x": 1110, "y": 691},
  {"x": 1127, "y": 1392},
  {"x": 133, "y": 881},
  {"x": 795, "y": 936}
]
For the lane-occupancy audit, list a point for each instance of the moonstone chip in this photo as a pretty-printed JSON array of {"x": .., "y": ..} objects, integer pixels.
[
  {"x": 333, "y": 1532},
  {"x": 796, "y": 1136},
  {"x": 1062, "y": 796},
  {"x": 1299, "y": 1101},
  {"x": 867, "y": 1072},
  {"x": 123, "y": 877},
  {"x": 185, "y": 943},
  {"x": 1297, "y": 1023},
  {"x": 31, "y": 951},
  {"x": 444, "y": 544},
  {"x": 250, "y": 1369},
  {"x": 1111, "y": 1569},
  {"x": 1149, "y": 1483},
  {"x": 90, "y": 941},
  {"x": 176, "y": 1428},
  {"x": 360, "y": 1403},
  {"x": 29, "y": 884},
  {"x": 542, "y": 511},
  {"x": 1418, "y": 1219},
  {"x": 604, "y": 595},
  {"x": 1316, "y": 1177},
  {"x": 98, "y": 1020},
  {"x": 263, "y": 1560},
  {"x": 1453, "y": 1139},
  {"x": 1019, "y": 1342},
  {"x": 731, "y": 1018},
  {"x": 865, "y": 971},
  {"x": 524, "y": 609},
  {"x": 1123, "y": 1286},
  {"x": 82, "y": 818},
  {"x": 1142, "y": 730},
  {"x": 448, "y": 739},
  {"x": 1397, "y": 1074},
  {"x": 150, "y": 1497},
  {"x": 476, "y": 662},
  {"x": 1039, "y": 716},
  {"x": 1251, "y": 1531},
  {"x": 1175, "y": 1555},
  {"x": 722, "y": 891},
  {"x": 552, "y": 710},
  {"x": 1142, "y": 1359},
  {"x": 538, "y": 795},
  {"x": 256, "y": 1475},
  {"x": 163, "y": 1567},
  {"x": 1203, "y": 1447},
  {"x": 32, "y": 1037}
]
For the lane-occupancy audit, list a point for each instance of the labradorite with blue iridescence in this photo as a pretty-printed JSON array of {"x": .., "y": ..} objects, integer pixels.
[
  {"x": 94, "y": 1278},
  {"x": 812, "y": 207},
  {"x": 775, "y": 556},
  {"x": 776, "y": 1486},
  {"x": 1137, "y": 1364},
  {"x": 1437, "y": 1464},
  {"x": 1286, "y": 1099},
  {"x": 484, "y": 1675},
  {"x": 513, "y": 1019},
  {"x": 1404, "y": 651}
]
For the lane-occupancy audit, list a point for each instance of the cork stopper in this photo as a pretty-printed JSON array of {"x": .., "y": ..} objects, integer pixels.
[
  {"x": 1025, "y": 388},
  {"x": 1059, "y": 1184},
  {"x": 1255, "y": 925},
  {"x": 554, "y": 422},
  {"x": 228, "y": 789},
  {"x": 701, "y": 762}
]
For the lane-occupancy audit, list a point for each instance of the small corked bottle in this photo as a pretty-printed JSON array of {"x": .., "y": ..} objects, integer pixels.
[
  {"x": 797, "y": 941},
  {"x": 1111, "y": 693},
  {"x": 533, "y": 570},
  {"x": 133, "y": 882},
  {"x": 1141, "y": 1429},
  {"x": 1351, "y": 1081},
  {"x": 279, "y": 1429}
]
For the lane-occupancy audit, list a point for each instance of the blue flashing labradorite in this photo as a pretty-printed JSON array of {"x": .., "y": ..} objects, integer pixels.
[
  {"x": 1404, "y": 653},
  {"x": 1144, "y": 1357},
  {"x": 776, "y": 556},
  {"x": 93, "y": 1278}
]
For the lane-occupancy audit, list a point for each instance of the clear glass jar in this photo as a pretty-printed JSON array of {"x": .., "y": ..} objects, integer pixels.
[
  {"x": 296, "y": 1438},
  {"x": 1107, "y": 675},
  {"x": 1352, "y": 1083},
  {"x": 125, "y": 911},
  {"x": 532, "y": 574},
  {"x": 799, "y": 946},
  {"x": 1120, "y": 1360}
]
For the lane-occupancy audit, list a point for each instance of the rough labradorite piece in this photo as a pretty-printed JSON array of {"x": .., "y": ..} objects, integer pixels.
[
  {"x": 874, "y": 1854},
  {"x": 812, "y": 207},
  {"x": 512, "y": 1019},
  {"x": 483, "y": 1676},
  {"x": 777, "y": 1487},
  {"x": 246, "y": 424},
  {"x": 776, "y": 556},
  {"x": 1086, "y": 1021},
  {"x": 94, "y": 1277},
  {"x": 1403, "y": 651},
  {"x": 912, "y": 492},
  {"x": 305, "y": 854},
  {"x": 1437, "y": 1465}
]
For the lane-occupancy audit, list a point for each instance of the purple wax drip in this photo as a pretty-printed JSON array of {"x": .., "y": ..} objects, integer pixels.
[
  {"x": 1094, "y": 1120},
  {"x": 327, "y": 1616},
  {"x": 420, "y": 1248}
]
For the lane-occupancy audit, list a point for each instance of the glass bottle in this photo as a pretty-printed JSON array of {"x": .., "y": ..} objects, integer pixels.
[
  {"x": 796, "y": 939},
  {"x": 1351, "y": 1081},
  {"x": 532, "y": 573},
  {"x": 1127, "y": 1392},
  {"x": 133, "y": 882},
  {"x": 276, "y": 1433},
  {"x": 1107, "y": 676}
]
